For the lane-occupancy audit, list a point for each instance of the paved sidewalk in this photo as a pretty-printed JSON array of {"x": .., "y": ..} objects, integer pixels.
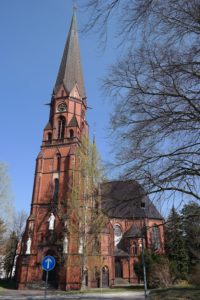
[{"x": 39, "y": 295}]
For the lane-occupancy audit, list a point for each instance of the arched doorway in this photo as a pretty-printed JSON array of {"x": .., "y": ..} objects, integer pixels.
[
  {"x": 105, "y": 277},
  {"x": 118, "y": 268},
  {"x": 85, "y": 277},
  {"x": 53, "y": 274}
]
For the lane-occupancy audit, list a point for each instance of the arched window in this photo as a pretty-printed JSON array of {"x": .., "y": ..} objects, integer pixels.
[
  {"x": 56, "y": 188},
  {"x": 155, "y": 237},
  {"x": 49, "y": 136},
  {"x": 117, "y": 233},
  {"x": 135, "y": 249},
  {"x": 61, "y": 127},
  {"x": 58, "y": 162},
  {"x": 85, "y": 273},
  {"x": 71, "y": 133},
  {"x": 105, "y": 277},
  {"x": 96, "y": 245},
  {"x": 97, "y": 276}
]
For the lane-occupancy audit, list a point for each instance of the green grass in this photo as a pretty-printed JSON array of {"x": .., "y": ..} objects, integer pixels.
[{"x": 176, "y": 293}]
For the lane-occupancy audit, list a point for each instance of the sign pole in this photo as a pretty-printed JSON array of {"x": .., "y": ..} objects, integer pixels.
[
  {"x": 48, "y": 264},
  {"x": 45, "y": 291}
]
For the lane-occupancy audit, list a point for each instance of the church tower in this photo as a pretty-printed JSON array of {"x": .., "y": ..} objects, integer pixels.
[{"x": 47, "y": 229}]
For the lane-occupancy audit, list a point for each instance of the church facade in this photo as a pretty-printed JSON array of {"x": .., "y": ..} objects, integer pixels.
[{"x": 108, "y": 256}]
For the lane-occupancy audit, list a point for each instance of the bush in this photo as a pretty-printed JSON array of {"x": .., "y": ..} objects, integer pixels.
[
  {"x": 195, "y": 275},
  {"x": 159, "y": 272},
  {"x": 157, "y": 269}
]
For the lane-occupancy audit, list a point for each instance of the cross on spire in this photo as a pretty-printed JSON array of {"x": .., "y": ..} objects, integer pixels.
[{"x": 74, "y": 6}]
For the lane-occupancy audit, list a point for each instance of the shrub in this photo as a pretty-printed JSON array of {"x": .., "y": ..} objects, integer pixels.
[
  {"x": 157, "y": 269},
  {"x": 159, "y": 272},
  {"x": 195, "y": 275}
]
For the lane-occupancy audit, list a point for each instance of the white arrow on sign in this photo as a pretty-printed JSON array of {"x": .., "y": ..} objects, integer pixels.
[{"x": 48, "y": 261}]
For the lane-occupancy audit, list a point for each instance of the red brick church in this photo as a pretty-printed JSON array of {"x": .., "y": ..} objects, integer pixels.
[{"x": 123, "y": 203}]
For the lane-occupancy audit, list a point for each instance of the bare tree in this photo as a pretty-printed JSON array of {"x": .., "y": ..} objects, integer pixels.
[
  {"x": 155, "y": 86},
  {"x": 86, "y": 218},
  {"x": 2, "y": 236},
  {"x": 19, "y": 223},
  {"x": 160, "y": 19},
  {"x": 6, "y": 205},
  {"x": 11, "y": 244}
]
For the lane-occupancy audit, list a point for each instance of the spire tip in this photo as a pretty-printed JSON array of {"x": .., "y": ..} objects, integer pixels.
[{"x": 74, "y": 6}]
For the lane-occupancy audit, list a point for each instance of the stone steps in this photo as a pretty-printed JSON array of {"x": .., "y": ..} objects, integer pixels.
[{"x": 121, "y": 282}]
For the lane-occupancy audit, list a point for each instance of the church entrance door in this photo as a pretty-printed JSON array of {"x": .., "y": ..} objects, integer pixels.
[
  {"x": 105, "y": 277},
  {"x": 118, "y": 268},
  {"x": 53, "y": 274}
]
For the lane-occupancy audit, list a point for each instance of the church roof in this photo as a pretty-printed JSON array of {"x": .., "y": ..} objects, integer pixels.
[
  {"x": 120, "y": 252},
  {"x": 70, "y": 71},
  {"x": 134, "y": 231},
  {"x": 125, "y": 199}
]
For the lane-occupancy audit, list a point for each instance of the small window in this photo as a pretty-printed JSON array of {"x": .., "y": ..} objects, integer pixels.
[
  {"x": 71, "y": 133},
  {"x": 49, "y": 136}
]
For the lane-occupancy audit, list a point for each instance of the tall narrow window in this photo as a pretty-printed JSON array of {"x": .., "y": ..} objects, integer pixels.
[
  {"x": 117, "y": 233},
  {"x": 135, "y": 249},
  {"x": 61, "y": 127},
  {"x": 96, "y": 245},
  {"x": 155, "y": 237},
  {"x": 56, "y": 188},
  {"x": 58, "y": 162}
]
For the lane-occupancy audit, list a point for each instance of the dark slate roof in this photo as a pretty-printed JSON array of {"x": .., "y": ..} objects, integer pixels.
[
  {"x": 123, "y": 199},
  {"x": 120, "y": 252},
  {"x": 70, "y": 71},
  {"x": 73, "y": 122},
  {"x": 133, "y": 232}
]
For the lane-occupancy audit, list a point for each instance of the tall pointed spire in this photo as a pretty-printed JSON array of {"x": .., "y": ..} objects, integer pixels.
[{"x": 70, "y": 71}]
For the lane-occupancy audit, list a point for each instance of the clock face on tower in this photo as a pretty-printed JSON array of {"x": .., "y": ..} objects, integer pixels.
[{"x": 61, "y": 107}]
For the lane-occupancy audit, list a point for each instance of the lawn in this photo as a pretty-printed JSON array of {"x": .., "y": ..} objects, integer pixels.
[{"x": 175, "y": 294}]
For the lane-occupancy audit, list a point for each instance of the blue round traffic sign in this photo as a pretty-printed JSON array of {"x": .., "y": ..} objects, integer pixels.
[{"x": 48, "y": 263}]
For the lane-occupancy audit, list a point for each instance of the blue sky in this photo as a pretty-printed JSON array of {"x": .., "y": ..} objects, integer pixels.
[{"x": 33, "y": 34}]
